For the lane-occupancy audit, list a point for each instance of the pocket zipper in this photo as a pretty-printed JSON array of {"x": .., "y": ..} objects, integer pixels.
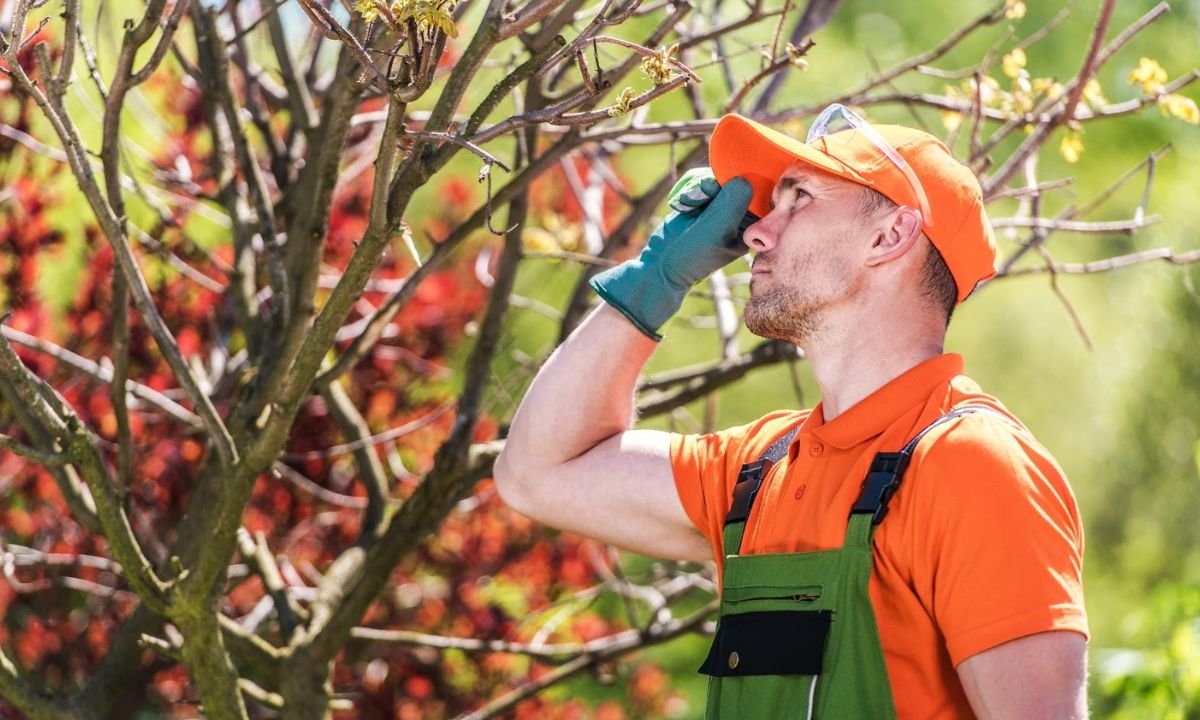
[{"x": 795, "y": 597}]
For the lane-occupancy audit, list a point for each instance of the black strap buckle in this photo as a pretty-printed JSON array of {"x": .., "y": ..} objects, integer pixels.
[
  {"x": 887, "y": 469},
  {"x": 749, "y": 480},
  {"x": 880, "y": 485}
]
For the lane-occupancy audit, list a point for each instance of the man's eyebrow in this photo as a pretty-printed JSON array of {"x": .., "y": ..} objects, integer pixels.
[{"x": 787, "y": 183}]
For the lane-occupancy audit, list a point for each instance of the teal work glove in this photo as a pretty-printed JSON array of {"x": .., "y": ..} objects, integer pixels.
[{"x": 703, "y": 235}]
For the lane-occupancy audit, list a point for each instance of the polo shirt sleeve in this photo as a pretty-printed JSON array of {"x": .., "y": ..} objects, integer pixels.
[
  {"x": 998, "y": 554},
  {"x": 706, "y": 468}
]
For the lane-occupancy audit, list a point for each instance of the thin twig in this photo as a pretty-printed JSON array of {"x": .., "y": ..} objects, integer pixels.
[
  {"x": 258, "y": 556},
  {"x": 1163, "y": 254},
  {"x": 42, "y": 458},
  {"x": 1097, "y": 227},
  {"x": 787, "y": 5},
  {"x": 773, "y": 67},
  {"x": 1072, "y": 313},
  {"x": 281, "y": 469},
  {"x": 1149, "y": 163},
  {"x": 1039, "y": 188},
  {"x": 587, "y": 118},
  {"x": 103, "y": 373},
  {"x": 534, "y": 11},
  {"x": 581, "y": 258},
  {"x": 651, "y": 636},
  {"x": 461, "y": 142},
  {"x": 266, "y": 13}
]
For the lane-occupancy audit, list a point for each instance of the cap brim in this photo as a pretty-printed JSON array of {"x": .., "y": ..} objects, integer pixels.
[{"x": 743, "y": 148}]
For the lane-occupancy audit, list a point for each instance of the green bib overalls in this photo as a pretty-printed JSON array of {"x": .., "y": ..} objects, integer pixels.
[{"x": 796, "y": 634}]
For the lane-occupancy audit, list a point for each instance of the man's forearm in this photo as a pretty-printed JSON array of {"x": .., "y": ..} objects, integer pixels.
[{"x": 582, "y": 395}]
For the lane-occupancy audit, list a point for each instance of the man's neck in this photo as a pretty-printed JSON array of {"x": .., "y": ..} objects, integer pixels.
[{"x": 851, "y": 365}]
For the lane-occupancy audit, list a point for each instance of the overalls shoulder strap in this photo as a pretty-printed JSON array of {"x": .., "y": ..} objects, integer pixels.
[
  {"x": 749, "y": 481},
  {"x": 887, "y": 469}
]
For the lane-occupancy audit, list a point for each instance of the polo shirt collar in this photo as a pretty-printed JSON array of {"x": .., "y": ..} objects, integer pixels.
[{"x": 876, "y": 412}]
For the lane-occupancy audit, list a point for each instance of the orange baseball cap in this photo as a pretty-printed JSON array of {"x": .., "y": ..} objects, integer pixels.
[{"x": 959, "y": 227}]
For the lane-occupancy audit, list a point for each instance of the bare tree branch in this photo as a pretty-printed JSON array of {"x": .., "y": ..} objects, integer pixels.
[{"x": 698, "y": 383}]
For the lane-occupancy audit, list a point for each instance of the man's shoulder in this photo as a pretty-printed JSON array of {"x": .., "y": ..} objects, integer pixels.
[
  {"x": 983, "y": 438},
  {"x": 977, "y": 414}
]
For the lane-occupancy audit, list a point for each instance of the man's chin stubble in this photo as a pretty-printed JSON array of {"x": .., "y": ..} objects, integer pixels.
[{"x": 775, "y": 318}]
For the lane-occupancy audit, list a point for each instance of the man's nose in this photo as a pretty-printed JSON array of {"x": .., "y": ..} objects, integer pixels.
[{"x": 760, "y": 237}]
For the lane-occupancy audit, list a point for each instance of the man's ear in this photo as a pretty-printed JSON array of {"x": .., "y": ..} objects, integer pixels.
[{"x": 895, "y": 234}]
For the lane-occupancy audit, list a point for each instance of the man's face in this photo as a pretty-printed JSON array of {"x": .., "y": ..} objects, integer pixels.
[{"x": 809, "y": 253}]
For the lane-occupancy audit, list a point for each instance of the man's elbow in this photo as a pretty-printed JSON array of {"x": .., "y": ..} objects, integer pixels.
[{"x": 511, "y": 481}]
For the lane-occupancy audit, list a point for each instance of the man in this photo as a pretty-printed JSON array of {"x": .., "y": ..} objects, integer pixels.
[{"x": 857, "y": 580}]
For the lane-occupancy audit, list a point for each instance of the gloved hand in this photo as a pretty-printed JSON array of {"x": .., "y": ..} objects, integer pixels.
[{"x": 701, "y": 237}]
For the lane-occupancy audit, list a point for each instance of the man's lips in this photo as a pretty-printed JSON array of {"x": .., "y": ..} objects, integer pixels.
[{"x": 757, "y": 269}]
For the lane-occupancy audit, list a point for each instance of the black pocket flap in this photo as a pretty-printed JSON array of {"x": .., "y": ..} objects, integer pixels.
[{"x": 777, "y": 642}]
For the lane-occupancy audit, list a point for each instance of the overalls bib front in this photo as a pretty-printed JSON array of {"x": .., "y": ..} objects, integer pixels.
[{"x": 796, "y": 634}]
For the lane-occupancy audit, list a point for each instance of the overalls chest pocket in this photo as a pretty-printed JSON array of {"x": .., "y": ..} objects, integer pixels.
[{"x": 775, "y": 616}]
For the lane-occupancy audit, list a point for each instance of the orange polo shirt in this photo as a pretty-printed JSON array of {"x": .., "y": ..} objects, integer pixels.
[{"x": 982, "y": 543}]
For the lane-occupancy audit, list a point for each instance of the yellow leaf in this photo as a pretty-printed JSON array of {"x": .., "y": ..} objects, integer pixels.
[
  {"x": 1014, "y": 9},
  {"x": 989, "y": 91},
  {"x": 536, "y": 239},
  {"x": 1071, "y": 147},
  {"x": 1181, "y": 107},
  {"x": 445, "y": 22},
  {"x": 1150, "y": 75},
  {"x": 1047, "y": 88},
  {"x": 428, "y": 14},
  {"x": 621, "y": 105},
  {"x": 1092, "y": 94},
  {"x": 367, "y": 9},
  {"x": 951, "y": 120},
  {"x": 568, "y": 235},
  {"x": 1013, "y": 62},
  {"x": 796, "y": 57},
  {"x": 658, "y": 66},
  {"x": 1021, "y": 101}
]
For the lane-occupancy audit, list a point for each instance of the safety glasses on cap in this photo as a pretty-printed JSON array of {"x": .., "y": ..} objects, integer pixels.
[{"x": 838, "y": 117}]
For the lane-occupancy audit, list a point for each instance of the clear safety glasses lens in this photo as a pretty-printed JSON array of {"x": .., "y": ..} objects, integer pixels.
[{"x": 838, "y": 117}]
